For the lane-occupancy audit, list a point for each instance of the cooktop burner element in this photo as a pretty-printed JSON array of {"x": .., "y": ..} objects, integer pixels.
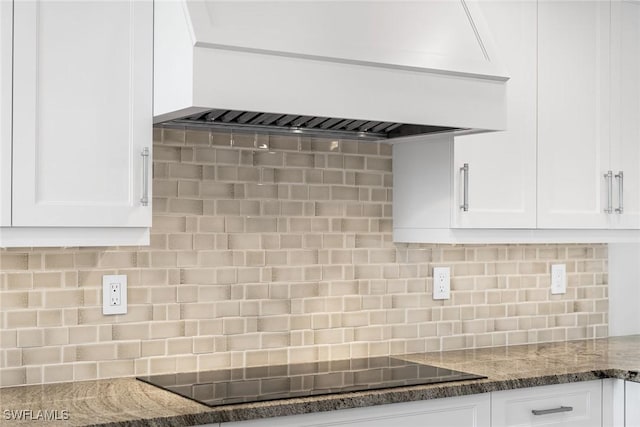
[{"x": 256, "y": 384}]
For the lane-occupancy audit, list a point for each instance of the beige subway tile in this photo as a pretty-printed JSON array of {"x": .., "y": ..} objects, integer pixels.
[
  {"x": 167, "y": 154},
  {"x": 55, "y": 336},
  {"x": 12, "y": 376},
  {"x": 453, "y": 342},
  {"x": 66, "y": 298},
  {"x": 83, "y": 334},
  {"x": 47, "y": 280},
  {"x": 166, "y": 329},
  {"x": 58, "y": 373},
  {"x": 85, "y": 371},
  {"x": 532, "y": 267},
  {"x": 172, "y": 136},
  {"x": 58, "y": 261},
  {"x": 16, "y": 281},
  {"x": 41, "y": 355},
  {"x": 11, "y": 358},
  {"x": 21, "y": 319},
  {"x": 344, "y": 193},
  {"x": 11, "y": 261},
  {"x": 185, "y": 171},
  {"x": 116, "y": 368},
  {"x": 95, "y": 352},
  {"x": 15, "y": 300},
  {"x": 301, "y": 160},
  {"x": 118, "y": 259}
]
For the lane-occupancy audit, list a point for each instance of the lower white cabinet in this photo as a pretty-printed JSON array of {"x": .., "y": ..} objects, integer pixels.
[
  {"x": 583, "y": 404},
  {"x": 574, "y": 404},
  {"x": 468, "y": 411},
  {"x": 632, "y": 404}
]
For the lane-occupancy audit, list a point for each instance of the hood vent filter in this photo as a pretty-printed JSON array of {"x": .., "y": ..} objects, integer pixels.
[{"x": 252, "y": 121}]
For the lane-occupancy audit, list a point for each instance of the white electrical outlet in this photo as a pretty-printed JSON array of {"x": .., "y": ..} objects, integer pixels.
[
  {"x": 441, "y": 283},
  {"x": 558, "y": 279},
  {"x": 114, "y": 294}
]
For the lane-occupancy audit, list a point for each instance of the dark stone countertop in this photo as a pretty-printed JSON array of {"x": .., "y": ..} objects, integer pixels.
[{"x": 128, "y": 402}]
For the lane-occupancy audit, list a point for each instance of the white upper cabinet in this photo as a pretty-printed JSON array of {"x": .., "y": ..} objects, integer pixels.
[
  {"x": 573, "y": 113},
  {"x": 566, "y": 169},
  {"x": 501, "y": 165},
  {"x": 75, "y": 122},
  {"x": 82, "y": 113},
  {"x": 6, "y": 30},
  {"x": 625, "y": 113}
]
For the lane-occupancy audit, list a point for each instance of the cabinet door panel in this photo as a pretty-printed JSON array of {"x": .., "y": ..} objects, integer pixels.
[
  {"x": 632, "y": 404},
  {"x": 502, "y": 172},
  {"x": 573, "y": 113},
  {"x": 82, "y": 112},
  {"x": 6, "y": 33},
  {"x": 625, "y": 110}
]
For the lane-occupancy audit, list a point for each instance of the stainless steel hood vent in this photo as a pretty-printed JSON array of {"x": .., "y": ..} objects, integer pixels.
[{"x": 252, "y": 121}]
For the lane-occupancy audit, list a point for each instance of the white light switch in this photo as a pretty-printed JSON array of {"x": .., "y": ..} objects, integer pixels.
[
  {"x": 441, "y": 283},
  {"x": 114, "y": 294},
  {"x": 558, "y": 279}
]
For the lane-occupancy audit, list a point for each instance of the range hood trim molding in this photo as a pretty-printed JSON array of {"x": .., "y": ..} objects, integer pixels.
[{"x": 490, "y": 67}]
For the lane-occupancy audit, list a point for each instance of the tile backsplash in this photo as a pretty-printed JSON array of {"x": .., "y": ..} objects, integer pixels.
[{"x": 272, "y": 249}]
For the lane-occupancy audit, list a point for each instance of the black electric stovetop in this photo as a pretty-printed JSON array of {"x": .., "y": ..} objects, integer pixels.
[{"x": 256, "y": 384}]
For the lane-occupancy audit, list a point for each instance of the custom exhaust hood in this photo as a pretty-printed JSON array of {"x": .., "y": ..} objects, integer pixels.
[{"x": 355, "y": 69}]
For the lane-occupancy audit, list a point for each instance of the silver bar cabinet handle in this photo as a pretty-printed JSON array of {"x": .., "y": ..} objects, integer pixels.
[
  {"x": 620, "y": 177},
  {"x": 609, "y": 178},
  {"x": 144, "y": 200},
  {"x": 465, "y": 187},
  {"x": 551, "y": 411}
]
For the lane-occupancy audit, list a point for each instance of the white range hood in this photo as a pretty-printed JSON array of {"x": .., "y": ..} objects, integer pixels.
[{"x": 396, "y": 68}]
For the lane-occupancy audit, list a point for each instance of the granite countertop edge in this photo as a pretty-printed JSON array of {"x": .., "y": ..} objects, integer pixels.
[{"x": 298, "y": 406}]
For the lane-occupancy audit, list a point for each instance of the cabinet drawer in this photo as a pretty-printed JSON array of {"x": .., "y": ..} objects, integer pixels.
[
  {"x": 463, "y": 411},
  {"x": 515, "y": 407}
]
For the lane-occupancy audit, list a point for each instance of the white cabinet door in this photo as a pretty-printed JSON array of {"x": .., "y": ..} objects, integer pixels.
[
  {"x": 82, "y": 112},
  {"x": 632, "y": 404},
  {"x": 422, "y": 184},
  {"x": 6, "y": 33},
  {"x": 502, "y": 167},
  {"x": 625, "y": 112},
  {"x": 465, "y": 411},
  {"x": 575, "y": 404},
  {"x": 573, "y": 113}
]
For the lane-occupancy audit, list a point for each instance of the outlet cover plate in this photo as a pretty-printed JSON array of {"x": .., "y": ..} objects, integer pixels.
[
  {"x": 558, "y": 279},
  {"x": 111, "y": 303},
  {"x": 441, "y": 283}
]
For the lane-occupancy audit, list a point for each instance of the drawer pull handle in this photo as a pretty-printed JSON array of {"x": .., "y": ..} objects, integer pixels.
[
  {"x": 609, "y": 180},
  {"x": 144, "y": 200},
  {"x": 551, "y": 411},
  {"x": 465, "y": 187},
  {"x": 620, "y": 177}
]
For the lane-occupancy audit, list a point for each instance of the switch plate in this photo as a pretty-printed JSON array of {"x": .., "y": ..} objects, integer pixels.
[
  {"x": 441, "y": 283},
  {"x": 558, "y": 279},
  {"x": 114, "y": 294}
]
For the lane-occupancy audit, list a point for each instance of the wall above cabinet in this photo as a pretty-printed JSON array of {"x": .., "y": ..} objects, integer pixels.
[{"x": 345, "y": 60}]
